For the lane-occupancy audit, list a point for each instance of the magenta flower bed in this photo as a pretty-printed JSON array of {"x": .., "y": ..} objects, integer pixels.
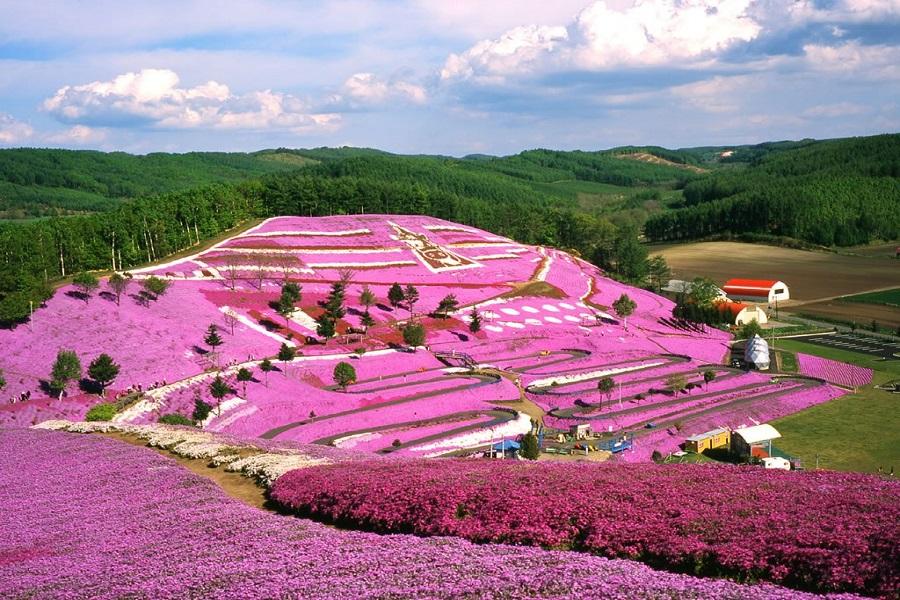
[
  {"x": 72, "y": 530},
  {"x": 820, "y": 530},
  {"x": 834, "y": 371}
]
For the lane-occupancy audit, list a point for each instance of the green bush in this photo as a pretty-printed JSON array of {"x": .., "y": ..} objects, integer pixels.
[
  {"x": 101, "y": 412},
  {"x": 175, "y": 419},
  {"x": 201, "y": 410}
]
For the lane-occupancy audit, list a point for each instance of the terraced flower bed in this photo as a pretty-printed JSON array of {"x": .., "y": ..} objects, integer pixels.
[
  {"x": 73, "y": 530},
  {"x": 814, "y": 530},
  {"x": 833, "y": 371}
]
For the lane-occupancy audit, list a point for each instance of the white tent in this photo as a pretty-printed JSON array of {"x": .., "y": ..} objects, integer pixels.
[{"x": 756, "y": 352}]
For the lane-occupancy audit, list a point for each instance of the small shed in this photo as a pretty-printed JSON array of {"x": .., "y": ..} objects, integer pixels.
[
  {"x": 580, "y": 431},
  {"x": 741, "y": 313},
  {"x": 753, "y": 441},
  {"x": 757, "y": 290},
  {"x": 776, "y": 462},
  {"x": 716, "y": 438},
  {"x": 756, "y": 353}
]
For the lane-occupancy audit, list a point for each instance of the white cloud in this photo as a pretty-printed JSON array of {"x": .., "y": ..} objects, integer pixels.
[
  {"x": 855, "y": 60},
  {"x": 838, "y": 109},
  {"x": 665, "y": 32},
  {"x": 367, "y": 88},
  {"x": 844, "y": 11},
  {"x": 153, "y": 97},
  {"x": 79, "y": 135},
  {"x": 716, "y": 95},
  {"x": 13, "y": 131}
]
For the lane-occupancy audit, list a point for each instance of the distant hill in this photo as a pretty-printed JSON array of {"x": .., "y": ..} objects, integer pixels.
[
  {"x": 45, "y": 182},
  {"x": 835, "y": 192}
]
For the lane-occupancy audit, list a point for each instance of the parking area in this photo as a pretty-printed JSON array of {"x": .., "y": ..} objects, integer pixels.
[{"x": 856, "y": 342}]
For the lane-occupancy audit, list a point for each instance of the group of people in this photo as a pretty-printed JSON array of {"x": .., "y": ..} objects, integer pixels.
[
  {"x": 21, "y": 397},
  {"x": 137, "y": 388}
]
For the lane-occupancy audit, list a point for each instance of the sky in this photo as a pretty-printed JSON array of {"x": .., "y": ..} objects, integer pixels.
[{"x": 452, "y": 77}]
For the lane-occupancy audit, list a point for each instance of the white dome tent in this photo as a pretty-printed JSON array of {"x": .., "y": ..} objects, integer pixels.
[{"x": 756, "y": 352}]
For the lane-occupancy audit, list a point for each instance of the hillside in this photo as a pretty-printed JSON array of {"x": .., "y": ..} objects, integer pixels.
[
  {"x": 836, "y": 192},
  {"x": 42, "y": 182}
]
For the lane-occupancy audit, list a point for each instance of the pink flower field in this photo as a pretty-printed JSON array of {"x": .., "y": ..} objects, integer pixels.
[
  {"x": 547, "y": 336},
  {"x": 833, "y": 371}
]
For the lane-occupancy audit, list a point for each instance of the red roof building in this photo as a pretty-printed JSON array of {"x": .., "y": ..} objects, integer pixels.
[
  {"x": 741, "y": 313},
  {"x": 756, "y": 290}
]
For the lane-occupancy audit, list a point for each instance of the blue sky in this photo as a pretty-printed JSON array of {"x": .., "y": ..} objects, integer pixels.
[{"x": 444, "y": 77}]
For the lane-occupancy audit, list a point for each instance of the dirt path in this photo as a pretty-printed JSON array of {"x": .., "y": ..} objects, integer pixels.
[{"x": 236, "y": 485}]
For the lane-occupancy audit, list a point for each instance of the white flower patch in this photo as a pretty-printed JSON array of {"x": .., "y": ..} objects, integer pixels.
[
  {"x": 293, "y": 232},
  {"x": 530, "y": 309},
  {"x": 550, "y": 308},
  {"x": 448, "y": 228},
  {"x": 493, "y": 256},
  {"x": 513, "y": 325},
  {"x": 493, "y": 328},
  {"x": 256, "y": 326},
  {"x": 564, "y": 379},
  {"x": 520, "y": 425},
  {"x": 552, "y": 320},
  {"x": 572, "y": 319},
  {"x": 352, "y": 440},
  {"x": 531, "y": 321},
  {"x": 304, "y": 320},
  {"x": 268, "y": 467},
  {"x": 363, "y": 265},
  {"x": 199, "y": 449},
  {"x": 509, "y": 311},
  {"x": 224, "y": 407},
  {"x": 566, "y": 305}
]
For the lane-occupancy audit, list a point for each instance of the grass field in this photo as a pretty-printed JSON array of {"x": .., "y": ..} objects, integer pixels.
[
  {"x": 858, "y": 432},
  {"x": 886, "y": 297}
]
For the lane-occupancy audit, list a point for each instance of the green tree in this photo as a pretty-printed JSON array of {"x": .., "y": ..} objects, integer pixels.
[
  {"x": 475, "y": 323},
  {"x": 411, "y": 296},
  {"x": 367, "y": 298},
  {"x": 659, "y": 272},
  {"x": 66, "y": 368},
  {"x": 213, "y": 340},
  {"x": 244, "y": 375},
  {"x": 325, "y": 326},
  {"x": 750, "y": 329},
  {"x": 86, "y": 283},
  {"x": 447, "y": 305},
  {"x": 218, "y": 389},
  {"x": 530, "y": 449},
  {"x": 708, "y": 376},
  {"x": 266, "y": 367},
  {"x": 395, "y": 295},
  {"x": 154, "y": 286},
  {"x": 631, "y": 256},
  {"x": 2, "y": 380},
  {"x": 201, "y": 410},
  {"x": 676, "y": 383},
  {"x": 703, "y": 292},
  {"x": 103, "y": 370},
  {"x": 366, "y": 320},
  {"x": 119, "y": 285},
  {"x": 606, "y": 386},
  {"x": 293, "y": 291},
  {"x": 624, "y": 307},
  {"x": 414, "y": 335},
  {"x": 285, "y": 355},
  {"x": 344, "y": 374},
  {"x": 285, "y": 307}
]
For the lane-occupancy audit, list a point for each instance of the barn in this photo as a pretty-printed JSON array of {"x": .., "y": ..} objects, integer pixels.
[
  {"x": 741, "y": 313},
  {"x": 757, "y": 290},
  {"x": 754, "y": 441}
]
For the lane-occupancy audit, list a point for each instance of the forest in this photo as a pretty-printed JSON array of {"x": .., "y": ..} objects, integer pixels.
[
  {"x": 124, "y": 211},
  {"x": 837, "y": 192}
]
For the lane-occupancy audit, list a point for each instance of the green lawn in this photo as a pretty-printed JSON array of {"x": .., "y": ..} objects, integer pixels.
[
  {"x": 857, "y": 432},
  {"x": 886, "y": 297}
]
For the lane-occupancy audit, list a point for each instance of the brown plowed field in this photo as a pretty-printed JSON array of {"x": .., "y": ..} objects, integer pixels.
[{"x": 810, "y": 276}]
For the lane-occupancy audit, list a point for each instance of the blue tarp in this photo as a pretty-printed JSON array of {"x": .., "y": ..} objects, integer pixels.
[{"x": 506, "y": 445}]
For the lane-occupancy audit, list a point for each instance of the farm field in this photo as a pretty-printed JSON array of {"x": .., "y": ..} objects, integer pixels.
[
  {"x": 548, "y": 334},
  {"x": 810, "y": 275},
  {"x": 859, "y": 432}
]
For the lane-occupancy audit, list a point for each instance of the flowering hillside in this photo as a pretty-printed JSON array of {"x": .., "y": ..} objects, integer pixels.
[
  {"x": 818, "y": 530},
  {"x": 547, "y": 335},
  {"x": 73, "y": 530}
]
